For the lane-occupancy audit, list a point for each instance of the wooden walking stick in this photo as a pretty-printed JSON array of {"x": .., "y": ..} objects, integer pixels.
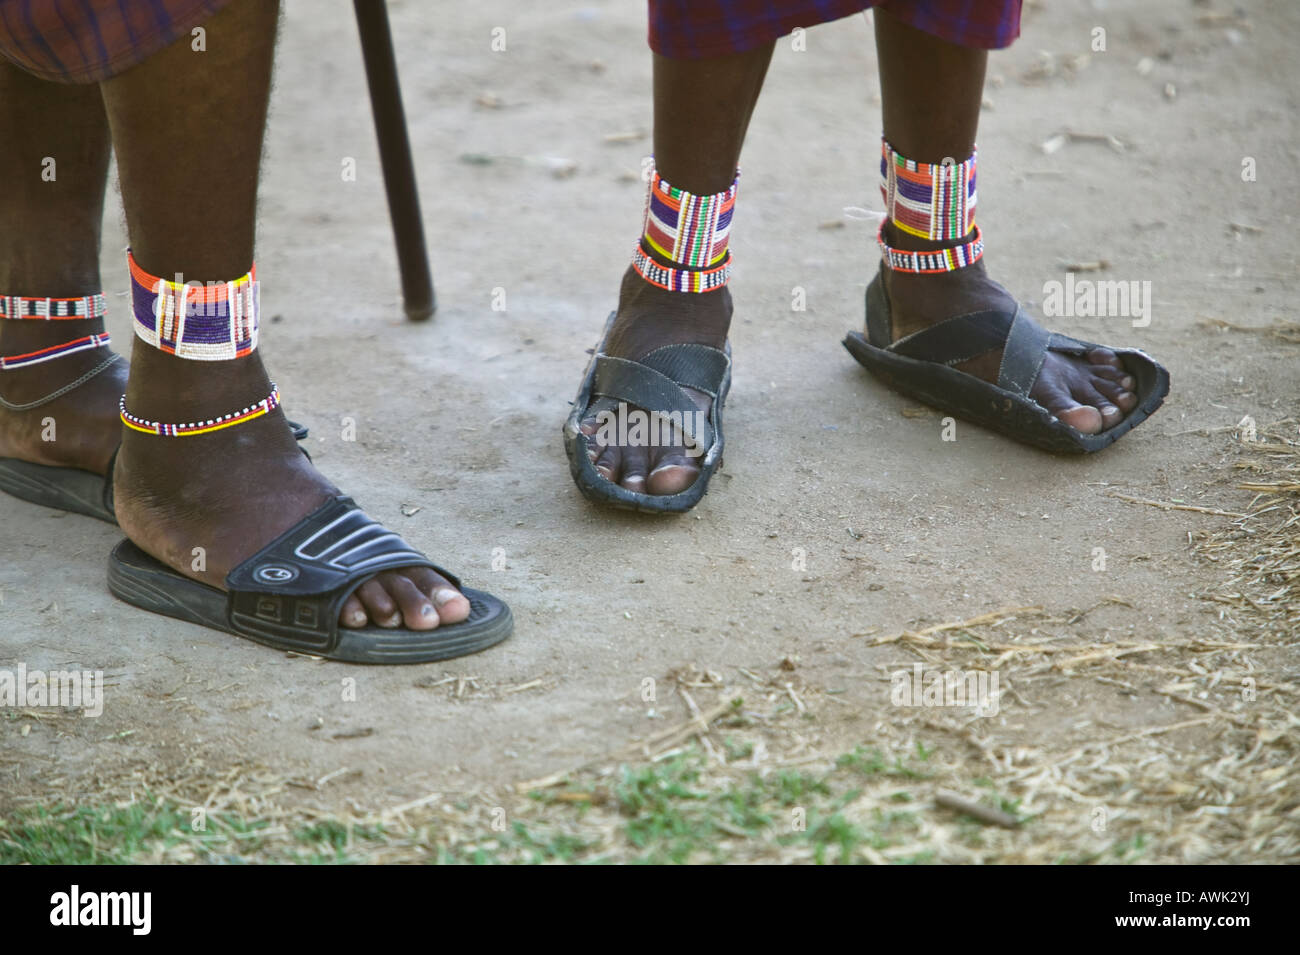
[{"x": 395, "y": 158}]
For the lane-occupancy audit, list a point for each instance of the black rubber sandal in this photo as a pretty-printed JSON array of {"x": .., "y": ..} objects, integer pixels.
[
  {"x": 919, "y": 366},
  {"x": 71, "y": 489},
  {"x": 64, "y": 489},
  {"x": 289, "y": 593},
  {"x": 653, "y": 384}
]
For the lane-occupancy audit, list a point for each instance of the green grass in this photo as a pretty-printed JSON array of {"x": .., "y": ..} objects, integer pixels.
[
  {"x": 114, "y": 835},
  {"x": 672, "y": 816},
  {"x": 1127, "y": 851},
  {"x": 677, "y": 810}
]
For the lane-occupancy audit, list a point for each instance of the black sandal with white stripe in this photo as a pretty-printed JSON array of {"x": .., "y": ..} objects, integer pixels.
[{"x": 288, "y": 595}]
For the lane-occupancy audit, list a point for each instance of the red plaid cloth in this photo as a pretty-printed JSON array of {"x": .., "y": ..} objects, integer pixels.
[
  {"x": 85, "y": 41},
  {"x": 693, "y": 29}
]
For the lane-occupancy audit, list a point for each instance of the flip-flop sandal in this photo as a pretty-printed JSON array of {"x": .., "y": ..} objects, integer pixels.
[
  {"x": 64, "y": 489},
  {"x": 289, "y": 593},
  {"x": 72, "y": 489},
  {"x": 919, "y": 366},
  {"x": 653, "y": 384}
]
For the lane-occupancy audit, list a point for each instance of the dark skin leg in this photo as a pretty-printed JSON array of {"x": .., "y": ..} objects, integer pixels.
[
  {"x": 232, "y": 491},
  {"x": 930, "y": 114},
  {"x": 700, "y": 158},
  {"x": 49, "y": 246}
]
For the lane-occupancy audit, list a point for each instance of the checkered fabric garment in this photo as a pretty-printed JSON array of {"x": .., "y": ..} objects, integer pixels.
[
  {"x": 85, "y": 41},
  {"x": 693, "y": 29}
]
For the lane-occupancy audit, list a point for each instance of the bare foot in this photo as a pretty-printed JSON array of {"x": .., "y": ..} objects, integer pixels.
[
  {"x": 77, "y": 430},
  {"x": 233, "y": 491},
  {"x": 648, "y": 318},
  {"x": 1090, "y": 393}
]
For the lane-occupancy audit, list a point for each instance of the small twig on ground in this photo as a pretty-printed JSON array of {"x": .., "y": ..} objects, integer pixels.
[
  {"x": 984, "y": 618},
  {"x": 994, "y": 817},
  {"x": 1170, "y": 506}
]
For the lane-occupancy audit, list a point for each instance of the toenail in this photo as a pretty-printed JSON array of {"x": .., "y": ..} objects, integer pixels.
[
  {"x": 445, "y": 596},
  {"x": 1127, "y": 382},
  {"x": 358, "y": 617},
  {"x": 665, "y": 467},
  {"x": 428, "y": 611}
]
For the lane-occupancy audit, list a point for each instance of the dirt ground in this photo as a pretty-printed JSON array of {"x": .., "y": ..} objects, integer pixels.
[{"x": 458, "y": 420}]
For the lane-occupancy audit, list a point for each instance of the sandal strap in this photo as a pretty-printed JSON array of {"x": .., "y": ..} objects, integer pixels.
[
  {"x": 639, "y": 384},
  {"x": 1023, "y": 341},
  {"x": 294, "y": 586},
  {"x": 1023, "y": 354},
  {"x": 957, "y": 339},
  {"x": 691, "y": 366}
]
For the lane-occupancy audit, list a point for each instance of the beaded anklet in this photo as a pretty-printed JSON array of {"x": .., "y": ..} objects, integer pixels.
[
  {"x": 24, "y": 306},
  {"x": 86, "y": 343},
  {"x": 933, "y": 201},
  {"x": 212, "y": 322},
  {"x": 928, "y": 263},
  {"x": 44, "y": 308},
  {"x": 680, "y": 280},
  {"x": 691, "y": 231},
  {"x": 258, "y": 410}
]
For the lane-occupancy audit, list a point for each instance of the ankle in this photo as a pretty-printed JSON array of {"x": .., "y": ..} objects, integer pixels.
[
  {"x": 59, "y": 269},
  {"x": 167, "y": 388},
  {"x": 40, "y": 385},
  {"x": 18, "y": 335},
  {"x": 649, "y": 317}
]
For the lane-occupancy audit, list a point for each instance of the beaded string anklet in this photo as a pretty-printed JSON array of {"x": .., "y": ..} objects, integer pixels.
[
  {"x": 85, "y": 343},
  {"x": 257, "y": 410},
  {"x": 25, "y": 307},
  {"x": 691, "y": 231},
  {"x": 932, "y": 201},
  {"x": 44, "y": 308}
]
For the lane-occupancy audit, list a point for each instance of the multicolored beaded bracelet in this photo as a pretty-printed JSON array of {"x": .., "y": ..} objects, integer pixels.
[
  {"x": 927, "y": 263},
  {"x": 26, "y": 306},
  {"x": 933, "y": 201},
  {"x": 261, "y": 408},
  {"x": 687, "y": 229},
  {"x": 681, "y": 280},
  {"x": 692, "y": 232},
  {"x": 212, "y": 322},
  {"x": 85, "y": 343}
]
